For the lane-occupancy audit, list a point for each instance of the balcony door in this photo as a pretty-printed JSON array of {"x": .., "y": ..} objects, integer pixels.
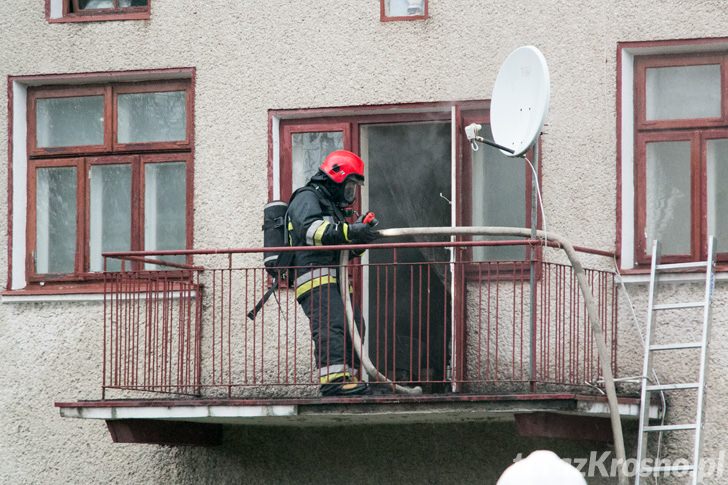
[{"x": 409, "y": 303}]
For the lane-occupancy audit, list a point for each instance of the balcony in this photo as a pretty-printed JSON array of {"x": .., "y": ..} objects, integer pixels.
[{"x": 482, "y": 340}]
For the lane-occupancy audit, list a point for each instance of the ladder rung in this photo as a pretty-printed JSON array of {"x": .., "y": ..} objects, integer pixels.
[
  {"x": 670, "y": 427},
  {"x": 677, "y": 306},
  {"x": 672, "y": 387},
  {"x": 694, "y": 264},
  {"x": 671, "y": 468},
  {"x": 678, "y": 346}
]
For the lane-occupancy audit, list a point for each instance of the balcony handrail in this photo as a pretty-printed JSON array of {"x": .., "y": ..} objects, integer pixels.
[{"x": 344, "y": 247}]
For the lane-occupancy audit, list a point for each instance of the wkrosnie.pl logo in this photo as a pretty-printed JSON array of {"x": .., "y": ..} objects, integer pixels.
[{"x": 606, "y": 465}]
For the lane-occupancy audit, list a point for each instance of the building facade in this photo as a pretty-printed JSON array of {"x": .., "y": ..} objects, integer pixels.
[{"x": 152, "y": 126}]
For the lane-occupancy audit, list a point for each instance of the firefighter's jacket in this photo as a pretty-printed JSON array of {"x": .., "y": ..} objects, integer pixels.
[{"x": 315, "y": 220}]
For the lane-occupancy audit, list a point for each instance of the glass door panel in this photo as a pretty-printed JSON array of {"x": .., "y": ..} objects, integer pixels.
[{"x": 408, "y": 168}]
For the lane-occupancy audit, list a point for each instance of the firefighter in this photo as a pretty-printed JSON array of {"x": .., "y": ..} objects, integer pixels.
[{"x": 315, "y": 218}]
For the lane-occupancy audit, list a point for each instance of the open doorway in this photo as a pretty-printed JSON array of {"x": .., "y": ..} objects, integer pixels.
[{"x": 409, "y": 303}]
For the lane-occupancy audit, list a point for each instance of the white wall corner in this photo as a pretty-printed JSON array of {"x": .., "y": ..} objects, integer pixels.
[
  {"x": 20, "y": 184},
  {"x": 275, "y": 139},
  {"x": 626, "y": 122},
  {"x": 56, "y": 10}
]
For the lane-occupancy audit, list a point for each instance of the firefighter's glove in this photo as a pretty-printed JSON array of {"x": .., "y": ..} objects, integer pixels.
[
  {"x": 368, "y": 218},
  {"x": 360, "y": 233}
]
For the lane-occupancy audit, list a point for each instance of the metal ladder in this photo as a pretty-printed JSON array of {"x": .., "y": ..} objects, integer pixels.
[{"x": 645, "y": 429}]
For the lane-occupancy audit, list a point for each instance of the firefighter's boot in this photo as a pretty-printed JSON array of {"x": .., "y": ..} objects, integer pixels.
[{"x": 342, "y": 384}]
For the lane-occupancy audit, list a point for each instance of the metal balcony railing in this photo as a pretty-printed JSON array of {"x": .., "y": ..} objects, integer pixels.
[{"x": 429, "y": 318}]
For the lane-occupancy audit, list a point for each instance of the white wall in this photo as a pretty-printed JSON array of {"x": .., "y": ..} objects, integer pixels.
[{"x": 257, "y": 55}]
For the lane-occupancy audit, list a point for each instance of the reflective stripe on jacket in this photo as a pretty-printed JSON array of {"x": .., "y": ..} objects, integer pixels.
[{"x": 315, "y": 220}]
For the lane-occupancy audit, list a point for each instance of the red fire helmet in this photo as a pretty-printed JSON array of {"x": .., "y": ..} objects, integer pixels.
[{"x": 341, "y": 164}]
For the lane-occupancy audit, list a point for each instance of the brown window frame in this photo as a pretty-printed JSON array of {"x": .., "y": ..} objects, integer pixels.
[
  {"x": 290, "y": 127},
  {"x": 83, "y": 157},
  {"x": 346, "y": 122},
  {"x": 111, "y": 94},
  {"x": 34, "y": 94},
  {"x": 72, "y": 12},
  {"x": 474, "y": 271},
  {"x": 344, "y": 119},
  {"x": 383, "y": 17},
  {"x": 697, "y": 131}
]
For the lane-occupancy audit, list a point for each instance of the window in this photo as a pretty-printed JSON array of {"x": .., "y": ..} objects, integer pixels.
[
  {"x": 408, "y": 158},
  {"x": 497, "y": 192},
  {"x": 681, "y": 155},
  {"x": 109, "y": 169},
  {"x": 403, "y": 10},
  {"x": 95, "y": 10}
]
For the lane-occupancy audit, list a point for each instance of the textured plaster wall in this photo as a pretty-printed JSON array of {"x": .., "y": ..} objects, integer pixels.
[{"x": 255, "y": 55}]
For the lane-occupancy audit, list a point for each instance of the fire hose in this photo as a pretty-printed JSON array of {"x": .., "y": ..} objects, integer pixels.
[{"x": 604, "y": 355}]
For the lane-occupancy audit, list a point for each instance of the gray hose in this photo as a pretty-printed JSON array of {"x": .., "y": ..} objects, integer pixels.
[
  {"x": 604, "y": 355},
  {"x": 356, "y": 338}
]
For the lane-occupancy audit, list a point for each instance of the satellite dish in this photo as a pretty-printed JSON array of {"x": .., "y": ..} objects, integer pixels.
[{"x": 520, "y": 100}]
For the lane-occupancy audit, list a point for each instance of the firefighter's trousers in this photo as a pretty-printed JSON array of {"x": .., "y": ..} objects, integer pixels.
[{"x": 332, "y": 343}]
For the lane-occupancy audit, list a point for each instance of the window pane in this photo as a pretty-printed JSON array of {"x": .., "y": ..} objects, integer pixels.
[
  {"x": 132, "y": 3},
  {"x": 498, "y": 199},
  {"x": 403, "y": 8},
  {"x": 309, "y": 150},
  {"x": 63, "y": 122},
  {"x": 152, "y": 117},
  {"x": 55, "y": 221},
  {"x": 89, "y": 4},
  {"x": 110, "y": 213},
  {"x": 408, "y": 167},
  {"x": 165, "y": 202},
  {"x": 668, "y": 196},
  {"x": 718, "y": 192},
  {"x": 683, "y": 92}
]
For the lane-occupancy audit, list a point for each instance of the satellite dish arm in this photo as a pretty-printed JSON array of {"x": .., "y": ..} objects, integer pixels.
[
  {"x": 471, "y": 132},
  {"x": 493, "y": 144}
]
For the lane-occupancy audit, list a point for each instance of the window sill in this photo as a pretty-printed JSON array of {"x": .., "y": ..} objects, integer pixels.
[
  {"x": 69, "y": 293},
  {"x": 101, "y": 17},
  {"x": 642, "y": 276},
  {"x": 22, "y": 296},
  {"x": 404, "y": 18}
]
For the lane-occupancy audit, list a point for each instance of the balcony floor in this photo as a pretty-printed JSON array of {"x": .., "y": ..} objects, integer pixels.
[
  {"x": 199, "y": 421},
  {"x": 388, "y": 409}
]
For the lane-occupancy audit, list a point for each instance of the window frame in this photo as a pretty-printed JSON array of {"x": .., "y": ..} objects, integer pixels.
[
  {"x": 54, "y": 92},
  {"x": 289, "y": 129},
  {"x": 641, "y": 141},
  {"x": 351, "y": 118},
  {"x": 643, "y": 63},
  {"x": 69, "y": 14},
  {"x": 383, "y": 17},
  {"x": 148, "y": 159},
  {"x": 82, "y": 262},
  {"x": 31, "y": 228},
  {"x": 134, "y": 161},
  {"x": 697, "y": 131},
  {"x": 473, "y": 269},
  {"x": 138, "y": 155},
  {"x": 153, "y": 87}
]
